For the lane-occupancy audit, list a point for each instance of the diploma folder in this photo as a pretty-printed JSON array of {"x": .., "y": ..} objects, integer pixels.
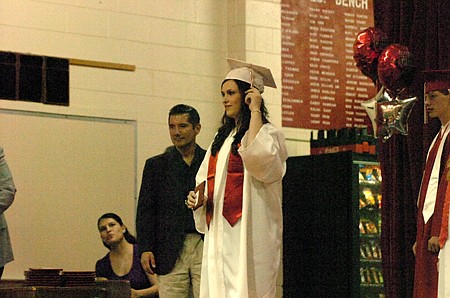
[{"x": 200, "y": 192}]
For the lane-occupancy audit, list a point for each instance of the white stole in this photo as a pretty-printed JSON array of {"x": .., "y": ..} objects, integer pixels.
[{"x": 430, "y": 197}]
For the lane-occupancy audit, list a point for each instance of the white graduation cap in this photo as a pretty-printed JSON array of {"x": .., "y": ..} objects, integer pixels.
[{"x": 255, "y": 75}]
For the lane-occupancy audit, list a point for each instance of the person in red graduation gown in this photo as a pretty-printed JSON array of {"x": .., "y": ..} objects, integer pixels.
[{"x": 433, "y": 188}]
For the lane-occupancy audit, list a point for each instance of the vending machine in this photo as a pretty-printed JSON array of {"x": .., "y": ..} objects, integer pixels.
[{"x": 332, "y": 226}]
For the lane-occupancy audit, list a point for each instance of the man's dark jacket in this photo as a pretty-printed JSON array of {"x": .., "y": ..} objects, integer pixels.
[{"x": 163, "y": 219}]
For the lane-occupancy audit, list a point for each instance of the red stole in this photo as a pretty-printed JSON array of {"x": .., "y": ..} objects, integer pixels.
[{"x": 232, "y": 202}]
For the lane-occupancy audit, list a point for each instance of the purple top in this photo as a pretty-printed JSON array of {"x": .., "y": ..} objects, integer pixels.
[{"x": 137, "y": 277}]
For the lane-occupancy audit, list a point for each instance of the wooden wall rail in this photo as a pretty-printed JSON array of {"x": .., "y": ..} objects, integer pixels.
[{"x": 100, "y": 64}]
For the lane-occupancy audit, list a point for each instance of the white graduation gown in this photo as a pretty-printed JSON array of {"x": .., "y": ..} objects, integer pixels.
[{"x": 243, "y": 260}]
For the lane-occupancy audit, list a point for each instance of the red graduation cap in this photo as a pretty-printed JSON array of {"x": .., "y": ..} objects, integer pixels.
[{"x": 437, "y": 80}]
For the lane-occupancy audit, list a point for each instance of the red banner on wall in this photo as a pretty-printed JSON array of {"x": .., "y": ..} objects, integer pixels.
[{"x": 322, "y": 87}]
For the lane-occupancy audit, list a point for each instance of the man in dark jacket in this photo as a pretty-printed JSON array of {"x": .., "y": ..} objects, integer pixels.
[{"x": 168, "y": 242}]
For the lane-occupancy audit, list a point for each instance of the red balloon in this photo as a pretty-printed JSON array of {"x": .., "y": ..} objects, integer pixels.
[
  {"x": 367, "y": 47},
  {"x": 396, "y": 68}
]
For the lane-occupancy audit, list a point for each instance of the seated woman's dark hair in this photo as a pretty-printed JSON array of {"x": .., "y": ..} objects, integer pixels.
[
  {"x": 228, "y": 124},
  {"x": 130, "y": 238}
]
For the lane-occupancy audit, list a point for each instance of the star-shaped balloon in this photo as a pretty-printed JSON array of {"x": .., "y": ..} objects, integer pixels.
[
  {"x": 371, "y": 106},
  {"x": 392, "y": 117}
]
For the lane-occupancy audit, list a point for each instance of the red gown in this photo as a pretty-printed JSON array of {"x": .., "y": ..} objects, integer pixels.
[{"x": 426, "y": 274}]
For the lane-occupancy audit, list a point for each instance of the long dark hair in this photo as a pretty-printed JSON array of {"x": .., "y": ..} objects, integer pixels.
[
  {"x": 128, "y": 237},
  {"x": 228, "y": 124}
]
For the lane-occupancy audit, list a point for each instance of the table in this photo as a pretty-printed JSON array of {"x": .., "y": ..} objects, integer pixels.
[{"x": 102, "y": 289}]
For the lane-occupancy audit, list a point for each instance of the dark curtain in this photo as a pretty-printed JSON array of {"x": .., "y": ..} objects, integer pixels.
[{"x": 424, "y": 27}]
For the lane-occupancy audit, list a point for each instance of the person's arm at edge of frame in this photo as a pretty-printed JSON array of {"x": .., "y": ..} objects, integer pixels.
[{"x": 7, "y": 187}]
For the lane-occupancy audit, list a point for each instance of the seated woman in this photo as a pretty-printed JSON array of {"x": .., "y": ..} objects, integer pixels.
[{"x": 122, "y": 261}]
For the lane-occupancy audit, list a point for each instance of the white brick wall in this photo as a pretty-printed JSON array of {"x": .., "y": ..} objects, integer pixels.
[{"x": 178, "y": 47}]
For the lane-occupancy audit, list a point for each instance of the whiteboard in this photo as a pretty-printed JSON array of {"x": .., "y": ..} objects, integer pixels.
[{"x": 68, "y": 171}]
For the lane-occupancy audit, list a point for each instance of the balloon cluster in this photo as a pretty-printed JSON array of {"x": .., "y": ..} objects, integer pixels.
[
  {"x": 367, "y": 48},
  {"x": 392, "y": 67}
]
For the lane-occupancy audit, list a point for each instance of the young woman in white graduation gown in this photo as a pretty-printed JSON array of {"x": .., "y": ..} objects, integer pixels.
[{"x": 241, "y": 179}]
